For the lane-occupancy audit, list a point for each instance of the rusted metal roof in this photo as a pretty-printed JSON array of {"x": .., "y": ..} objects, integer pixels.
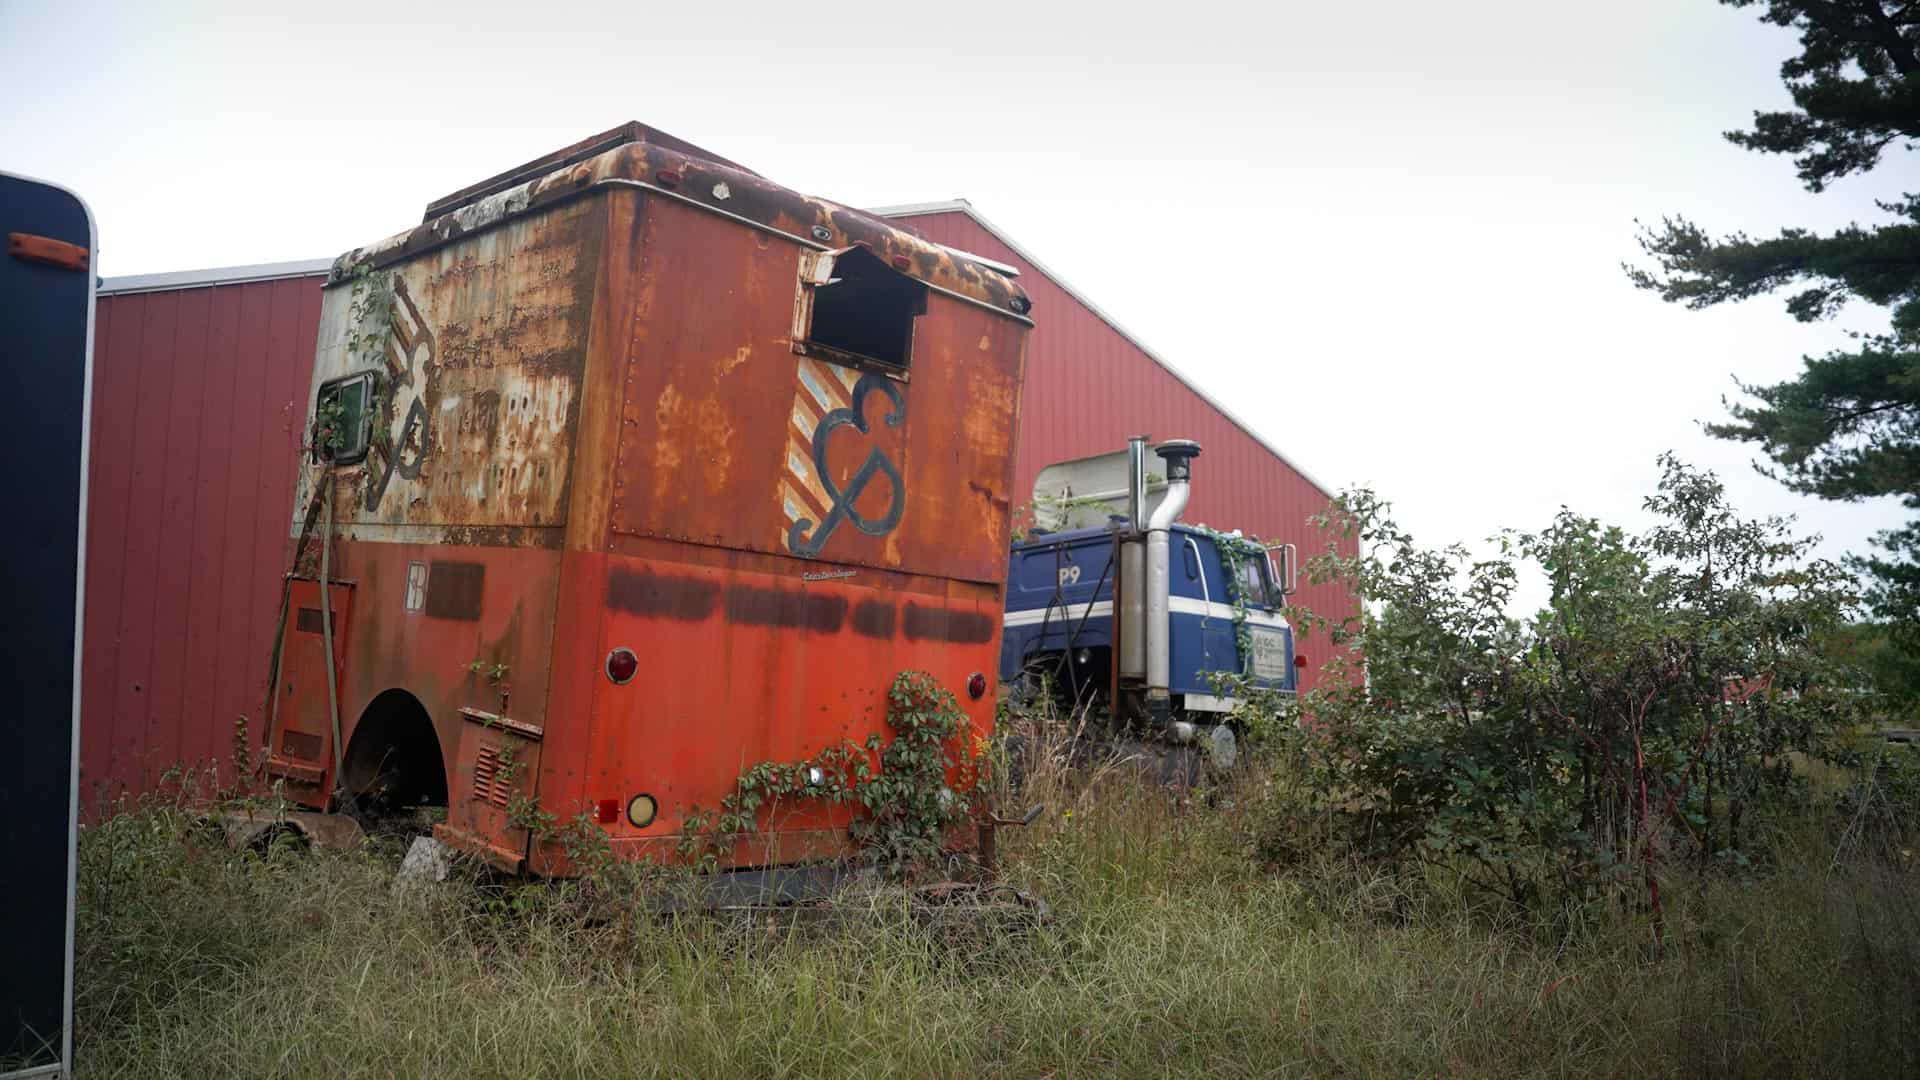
[
  {"x": 592, "y": 146},
  {"x": 676, "y": 170}
]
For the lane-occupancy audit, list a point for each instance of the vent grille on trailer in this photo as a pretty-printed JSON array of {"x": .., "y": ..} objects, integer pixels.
[{"x": 490, "y": 782}]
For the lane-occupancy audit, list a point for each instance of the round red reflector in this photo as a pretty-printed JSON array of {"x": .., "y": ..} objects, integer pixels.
[
  {"x": 1299, "y": 659},
  {"x": 976, "y": 686},
  {"x": 622, "y": 665}
]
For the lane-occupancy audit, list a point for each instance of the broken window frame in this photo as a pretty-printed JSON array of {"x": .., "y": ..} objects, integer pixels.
[
  {"x": 816, "y": 273},
  {"x": 356, "y": 450}
]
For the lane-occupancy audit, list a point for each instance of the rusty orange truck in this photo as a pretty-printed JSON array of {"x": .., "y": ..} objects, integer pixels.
[{"x": 632, "y": 469}]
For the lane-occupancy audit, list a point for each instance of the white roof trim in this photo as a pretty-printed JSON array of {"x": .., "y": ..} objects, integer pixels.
[
  {"x": 224, "y": 275},
  {"x": 995, "y": 265},
  {"x": 962, "y": 206}
]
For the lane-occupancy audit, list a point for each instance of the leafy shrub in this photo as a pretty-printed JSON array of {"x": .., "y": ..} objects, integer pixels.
[{"x": 1657, "y": 708}]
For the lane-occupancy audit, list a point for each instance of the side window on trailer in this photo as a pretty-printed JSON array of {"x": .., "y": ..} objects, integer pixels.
[
  {"x": 855, "y": 309},
  {"x": 343, "y": 419}
]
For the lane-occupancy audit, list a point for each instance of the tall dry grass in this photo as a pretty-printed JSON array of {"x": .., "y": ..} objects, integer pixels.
[{"x": 1171, "y": 951}]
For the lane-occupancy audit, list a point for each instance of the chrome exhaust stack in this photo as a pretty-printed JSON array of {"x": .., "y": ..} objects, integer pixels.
[
  {"x": 1131, "y": 648},
  {"x": 1178, "y": 455}
]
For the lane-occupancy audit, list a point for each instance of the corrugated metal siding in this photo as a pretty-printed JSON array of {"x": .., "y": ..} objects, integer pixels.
[
  {"x": 1088, "y": 388},
  {"x": 198, "y": 408}
]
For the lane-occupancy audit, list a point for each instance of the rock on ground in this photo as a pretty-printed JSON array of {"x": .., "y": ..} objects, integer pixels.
[{"x": 427, "y": 861}]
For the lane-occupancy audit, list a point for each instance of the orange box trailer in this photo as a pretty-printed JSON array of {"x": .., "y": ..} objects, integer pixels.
[{"x": 631, "y": 470}]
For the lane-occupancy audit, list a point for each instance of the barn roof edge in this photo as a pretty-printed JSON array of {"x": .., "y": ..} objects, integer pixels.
[{"x": 962, "y": 206}]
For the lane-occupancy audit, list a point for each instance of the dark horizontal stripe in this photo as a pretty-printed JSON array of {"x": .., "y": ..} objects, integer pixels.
[
  {"x": 756, "y": 606},
  {"x": 942, "y": 624},
  {"x": 874, "y": 619},
  {"x": 641, "y": 592},
  {"x": 690, "y": 599}
]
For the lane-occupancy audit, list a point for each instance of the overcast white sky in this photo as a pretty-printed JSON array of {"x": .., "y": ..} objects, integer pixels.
[{"x": 1388, "y": 233}]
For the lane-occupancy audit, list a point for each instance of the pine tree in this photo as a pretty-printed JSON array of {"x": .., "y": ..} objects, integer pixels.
[{"x": 1848, "y": 427}]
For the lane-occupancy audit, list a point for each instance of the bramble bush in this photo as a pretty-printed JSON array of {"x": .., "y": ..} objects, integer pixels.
[{"x": 1665, "y": 704}]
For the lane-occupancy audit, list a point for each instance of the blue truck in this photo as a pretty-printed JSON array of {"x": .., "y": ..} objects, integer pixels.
[{"x": 1123, "y": 609}]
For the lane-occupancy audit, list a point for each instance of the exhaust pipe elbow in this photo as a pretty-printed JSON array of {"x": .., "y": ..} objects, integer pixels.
[{"x": 1179, "y": 455}]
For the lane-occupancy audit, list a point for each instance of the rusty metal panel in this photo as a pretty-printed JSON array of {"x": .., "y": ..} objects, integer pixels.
[
  {"x": 485, "y": 344},
  {"x": 725, "y": 429},
  {"x": 818, "y": 655},
  {"x": 1088, "y": 388},
  {"x": 495, "y": 761},
  {"x": 198, "y": 413}
]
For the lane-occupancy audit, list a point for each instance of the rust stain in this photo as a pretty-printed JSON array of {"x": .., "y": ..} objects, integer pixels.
[
  {"x": 485, "y": 350},
  {"x": 717, "y": 441},
  {"x": 667, "y": 412}
]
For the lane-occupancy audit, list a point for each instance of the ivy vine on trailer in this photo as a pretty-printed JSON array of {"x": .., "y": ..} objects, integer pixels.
[
  {"x": 329, "y": 434},
  {"x": 369, "y": 325},
  {"x": 369, "y": 317},
  {"x": 907, "y": 804}
]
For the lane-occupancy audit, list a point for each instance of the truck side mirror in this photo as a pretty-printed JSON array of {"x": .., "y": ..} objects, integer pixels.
[{"x": 1287, "y": 572}]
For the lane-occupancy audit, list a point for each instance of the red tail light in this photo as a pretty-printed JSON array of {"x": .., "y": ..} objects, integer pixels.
[
  {"x": 607, "y": 811},
  {"x": 976, "y": 686},
  {"x": 622, "y": 666},
  {"x": 1299, "y": 659}
]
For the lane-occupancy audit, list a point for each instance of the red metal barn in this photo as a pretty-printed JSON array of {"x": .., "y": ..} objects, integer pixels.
[
  {"x": 201, "y": 395},
  {"x": 200, "y": 388}
]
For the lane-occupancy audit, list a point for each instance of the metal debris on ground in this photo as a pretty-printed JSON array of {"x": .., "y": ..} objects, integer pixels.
[{"x": 257, "y": 829}]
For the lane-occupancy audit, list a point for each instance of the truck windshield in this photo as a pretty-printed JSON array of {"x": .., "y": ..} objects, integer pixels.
[{"x": 1252, "y": 585}]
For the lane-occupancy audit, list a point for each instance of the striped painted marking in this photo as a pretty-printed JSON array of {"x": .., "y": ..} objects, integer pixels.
[{"x": 1178, "y": 605}]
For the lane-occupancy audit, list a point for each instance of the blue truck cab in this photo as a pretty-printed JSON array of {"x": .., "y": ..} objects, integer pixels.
[{"x": 1071, "y": 611}]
